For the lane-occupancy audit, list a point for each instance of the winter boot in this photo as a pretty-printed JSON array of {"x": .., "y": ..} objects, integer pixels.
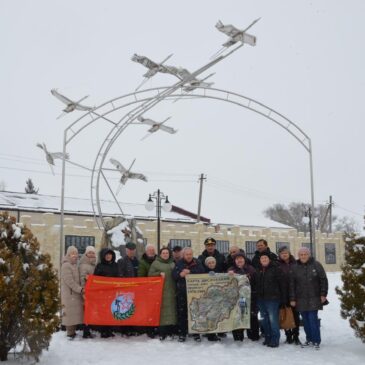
[
  {"x": 296, "y": 340},
  {"x": 197, "y": 338},
  {"x": 289, "y": 337}
]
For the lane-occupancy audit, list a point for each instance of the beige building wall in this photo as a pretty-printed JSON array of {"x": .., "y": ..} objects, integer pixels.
[{"x": 46, "y": 227}]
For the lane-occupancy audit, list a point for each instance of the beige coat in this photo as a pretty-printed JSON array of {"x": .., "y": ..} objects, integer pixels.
[
  {"x": 86, "y": 267},
  {"x": 72, "y": 313}
]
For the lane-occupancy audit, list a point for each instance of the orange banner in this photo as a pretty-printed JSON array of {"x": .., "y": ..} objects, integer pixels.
[{"x": 123, "y": 301}]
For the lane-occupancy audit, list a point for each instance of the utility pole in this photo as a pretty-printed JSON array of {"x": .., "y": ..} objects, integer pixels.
[
  {"x": 330, "y": 214},
  {"x": 202, "y": 178}
]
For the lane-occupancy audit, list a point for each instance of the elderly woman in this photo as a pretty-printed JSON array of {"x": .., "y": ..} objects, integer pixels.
[
  {"x": 163, "y": 266},
  {"x": 86, "y": 268},
  {"x": 242, "y": 267},
  {"x": 71, "y": 292},
  {"x": 308, "y": 292}
]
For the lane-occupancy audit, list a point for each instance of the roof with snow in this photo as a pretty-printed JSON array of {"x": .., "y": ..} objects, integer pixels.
[{"x": 81, "y": 206}]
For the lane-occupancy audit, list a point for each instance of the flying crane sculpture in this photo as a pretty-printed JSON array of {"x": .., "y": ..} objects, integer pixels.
[
  {"x": 155, "y": 126},
  {"x": 51, "y": 156},
  {"x": 70, "y": 104},
  {"x": 235, "y": 35},
  {"x": 126, "y": 173},
  {"x": 153, "y": 67}
]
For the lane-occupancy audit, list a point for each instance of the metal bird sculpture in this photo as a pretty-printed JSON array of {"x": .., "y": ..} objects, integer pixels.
[
  {"x": 126, "y": 173},
  {"x": 153, "y": 67},
  {"x": 70, "y": 104},
  {"x": 155, "y": 126},
  {"x": 51, "y": 156}
]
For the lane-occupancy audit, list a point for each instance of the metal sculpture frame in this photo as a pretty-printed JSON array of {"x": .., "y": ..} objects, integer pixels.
[{"x": 147, "y": 99}]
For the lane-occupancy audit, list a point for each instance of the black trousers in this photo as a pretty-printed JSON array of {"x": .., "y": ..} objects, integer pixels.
[{"x": 182, "y": 313}]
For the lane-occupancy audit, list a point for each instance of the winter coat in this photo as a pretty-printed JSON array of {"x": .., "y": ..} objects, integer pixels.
[
  {"x": 71, "y": 297},
  {"x": 128, "y": 268},
  {"x": 195, "y": 267},
  {"x": 86, "y": 267},
  {"x": 168, "y": 307},
  {"x": 221, "y": 260},
  {"x": 270, "y": 284},
  {"x": 105, "y": 268},
  {"x": 256, "y": 259},
  {"x": 286, "y": 268},
  {"x": 308, "y": 282},
  {"x": 144, "y": 265}
]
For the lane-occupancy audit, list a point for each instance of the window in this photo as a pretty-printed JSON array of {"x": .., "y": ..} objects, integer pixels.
[
  {"x": 223, "y": 246},
  {"x": 330, "y": 253},
  {"x": 181, "y": 243},
  {"x": 250, "y": 249},
  {"x": 80, "y": 242},
  {"x": 282, "y": 244}
]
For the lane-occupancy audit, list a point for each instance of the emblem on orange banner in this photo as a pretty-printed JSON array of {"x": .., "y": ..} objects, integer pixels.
[{"x": 123, "y": 306}]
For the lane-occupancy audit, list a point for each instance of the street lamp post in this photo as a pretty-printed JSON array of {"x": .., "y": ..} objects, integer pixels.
[
  {"x": 158, "y": 196},
  {"x": 308, "y": 219}
]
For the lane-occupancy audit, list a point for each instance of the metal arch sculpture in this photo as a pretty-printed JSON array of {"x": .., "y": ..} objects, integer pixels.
[{"x": 209, "y": 93}]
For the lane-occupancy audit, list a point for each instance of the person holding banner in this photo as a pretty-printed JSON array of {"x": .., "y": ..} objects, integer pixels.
[
  {"x": 241, "y": 267},
  {"x": 271, "y": 290},
  {"x": 71, "y": 292},
  {"x": 186, "y": 266},
  {"x": 163, "y": 266},
  {"x": 128, "y": 265},
  {"x": 109, "y": 268}
]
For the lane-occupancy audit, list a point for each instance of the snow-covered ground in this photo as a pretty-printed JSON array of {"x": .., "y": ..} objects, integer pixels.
[{"x": 339, "y": 346}]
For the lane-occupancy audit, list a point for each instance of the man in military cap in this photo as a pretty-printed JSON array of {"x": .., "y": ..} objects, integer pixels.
[
  {"x": 128, "y": 265},
  {"x": 210, "y": 250}
]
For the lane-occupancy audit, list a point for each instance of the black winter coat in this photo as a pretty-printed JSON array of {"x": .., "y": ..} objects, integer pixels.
[
  {"x": 308, "y": 282},
  {"x": 105, "y": 268},
  {"x": 128, "y": 268},
  {"x": 230, "y": 260},
  {"x": 256, "y": 259},
  {"x": 194, "y": 266},
  {"x": 286, "y": 268},
  {"x": 221, "y": 260},
  {"x": 270, "y": 284}
]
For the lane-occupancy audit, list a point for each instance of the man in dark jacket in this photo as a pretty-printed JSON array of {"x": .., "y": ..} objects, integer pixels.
[
  {"x": 308, "y": 292},
  {"x": 186, "y": 266},
  {"x": 233, "y": 250},
  {"x": 271, "y": 290},
  {"x": 286, "y": 263},
  {"x": 262, "y": 247},
  {"x": 210, "y": 250},
  {"x": 128, "y": 265}
]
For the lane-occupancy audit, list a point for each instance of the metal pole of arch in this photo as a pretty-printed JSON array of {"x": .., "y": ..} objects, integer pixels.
[
  {"x": 313, "y": 228},
  {"x": 62, "y": 241}
]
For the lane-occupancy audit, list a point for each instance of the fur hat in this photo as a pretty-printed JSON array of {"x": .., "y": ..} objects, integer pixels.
[
  {"x": 283, "y": 248},
  {"x": 90, "y": 249},
  {"x": 304, "y": 250}
]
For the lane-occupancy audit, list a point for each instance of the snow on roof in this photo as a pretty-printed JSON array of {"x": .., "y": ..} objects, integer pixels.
[{"x": 81, "y": 206}]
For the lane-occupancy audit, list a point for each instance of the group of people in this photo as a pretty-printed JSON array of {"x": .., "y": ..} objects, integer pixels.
[{"x": 276, "y": 282}]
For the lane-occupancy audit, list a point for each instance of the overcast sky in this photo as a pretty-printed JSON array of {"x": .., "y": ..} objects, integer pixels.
[{"x": 308, "y": 65}]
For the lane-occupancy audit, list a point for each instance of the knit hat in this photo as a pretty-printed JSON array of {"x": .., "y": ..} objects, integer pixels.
[
  {"x": 131, "y": 246},
  {"x": 71, "y": 249},
  {"x": 210, "y": 258},
  {"x": 90, "y": 249},
  {"x": 283, "y": 248},
  {"x": 304, "y": 250}
]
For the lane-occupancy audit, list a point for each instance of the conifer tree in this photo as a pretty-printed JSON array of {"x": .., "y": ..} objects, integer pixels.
[
  {"x": 29, "y": 295},
  {"x": 352, "y": 293}
]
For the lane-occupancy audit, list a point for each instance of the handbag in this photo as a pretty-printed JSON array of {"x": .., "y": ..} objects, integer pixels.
[{"x": 286, "y": 318}]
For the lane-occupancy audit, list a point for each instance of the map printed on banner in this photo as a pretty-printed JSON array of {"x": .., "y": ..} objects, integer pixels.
[{"x": 218, "y": 302}]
